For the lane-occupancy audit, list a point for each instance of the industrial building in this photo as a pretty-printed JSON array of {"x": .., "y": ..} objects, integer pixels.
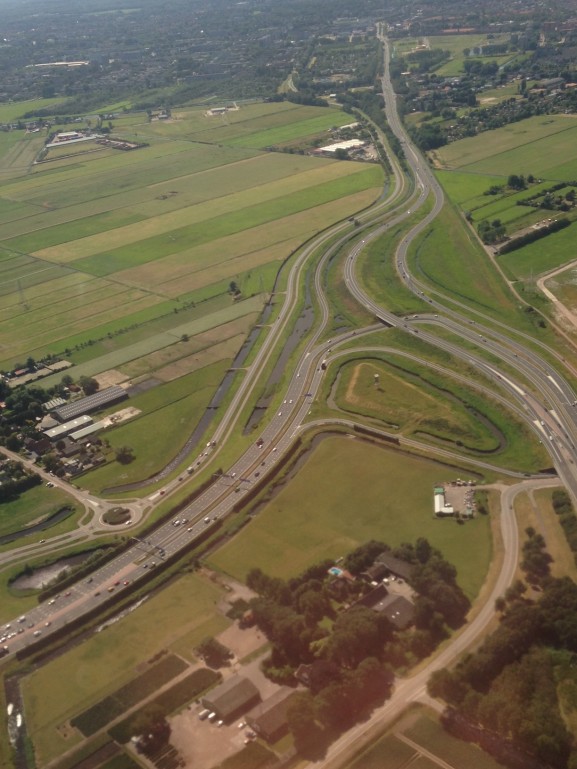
[
  {"x": 57, "y": 433},
  {"x": 99, "y": 400}
]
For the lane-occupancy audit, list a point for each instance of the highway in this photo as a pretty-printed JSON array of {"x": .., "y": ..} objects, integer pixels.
[{"x": 525, "y": 381}]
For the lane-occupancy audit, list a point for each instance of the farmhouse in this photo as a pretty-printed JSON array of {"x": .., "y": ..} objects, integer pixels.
[
  {"x": 269, "y": 719},
  {"x": 395, "y": 565},
  {"x": 99, "y": 400},
  {"x": 232, "y": 698},
  {"x": 397, "y": 609}
]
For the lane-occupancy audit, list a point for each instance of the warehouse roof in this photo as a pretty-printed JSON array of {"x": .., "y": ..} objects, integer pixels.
[
  {"x": 94, "y": 402},
  {"x": 88, "y": 430},
  {"x": 232, "y": 697},
  {"x": 68, "y": 427},
  {"x": 269, "y": 718}
]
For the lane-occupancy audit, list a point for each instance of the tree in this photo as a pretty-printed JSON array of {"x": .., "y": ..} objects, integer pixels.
[
  {"x": 125, "y": 455},
  {"x": 214, "y": 653},
  {"x": 88, "y": 384},
  {"x": 151, "y": 726},
  {"x": 310, "y": 741}
]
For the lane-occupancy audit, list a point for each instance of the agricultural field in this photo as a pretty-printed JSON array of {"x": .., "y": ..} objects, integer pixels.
[
  {"x": 537, "y": 145},
  {"x": 181, "y": 614},
  {"x": 414, "y": 737},
  {"x": 155, "y": 263},
  {"x": 314, "y": 516},
  {"x": 111, "y": 238},
  {"x": 253, "y": 125}
]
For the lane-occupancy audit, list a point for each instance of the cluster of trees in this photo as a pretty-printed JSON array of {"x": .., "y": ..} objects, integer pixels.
[
  {"x": 564, "y": 508},
  {"x": 480, "y": 68},
  {"x": 548, "y": 200},
  {"x": 427, "y": 59},
  {"x": 536, "y": 560},
  {"x": 491, "y": 232},
  {"x": 511, "y": 686},
  {"x": 214, "y": 654},
  {"x": 16, "y": 480},
  {"x": 352, "y": 652},
  {"x": 533, "y": 235},
  {"x": 18, "y": 418}
]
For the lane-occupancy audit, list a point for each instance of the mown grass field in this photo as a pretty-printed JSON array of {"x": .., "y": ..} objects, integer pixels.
[
  {"x": 33, "y": 506},
  {"x": 67, "y": 685},
  {"x": 527, "y": 146},
  {"x": 543, "y": 255},
  {"x": 347, "y": 492},
  {"x": 413, "y": 400},
  {"x": 456, "y": 44}
]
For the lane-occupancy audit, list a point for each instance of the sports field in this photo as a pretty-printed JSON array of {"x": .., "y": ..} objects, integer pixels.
[
  {"x": 456, "y": 44},
  {"x": 182, "y": 615},
  {"x": 347, "y": 492}
]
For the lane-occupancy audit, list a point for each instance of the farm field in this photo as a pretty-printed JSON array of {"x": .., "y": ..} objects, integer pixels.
[
  {"x": 314, "y": 516},
  {"x": 111, "y": 658},
  {"x": 253, "y": 125},
  {"x": 530, "y": 261},
  {"x": 170, "y": 413},
  {"x": 62, "y": 288},
  {"x": 527, "y": 146},
  {"x": 533, "y": 146},
  {"x": 420, "y": 730}
]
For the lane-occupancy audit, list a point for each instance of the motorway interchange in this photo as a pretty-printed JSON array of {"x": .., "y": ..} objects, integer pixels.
[{"x": 543, "y": 398}]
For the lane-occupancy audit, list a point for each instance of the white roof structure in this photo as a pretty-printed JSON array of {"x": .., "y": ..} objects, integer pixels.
[{"x": 350, "y": 144}]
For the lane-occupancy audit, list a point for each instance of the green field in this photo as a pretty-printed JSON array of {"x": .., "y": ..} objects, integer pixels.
[
  {"x": 535, "y": 145},
  {"x": 422, "y": 730},
  {"x": 169, "y": 413},
  {"x": 67, "y": 685},
  {"x": 418, "y": 402},
  {"x": 346, "y": 493},
  {"x": 33, "y": 506},
  {"x": 543, "y": 255},
  {"x": 543, "y": 146},
  {"x": 120, "y": 236}
]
